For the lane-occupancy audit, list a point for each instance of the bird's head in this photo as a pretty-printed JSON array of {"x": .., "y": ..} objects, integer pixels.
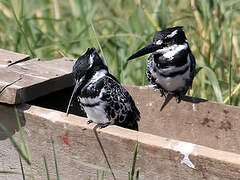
[
  {"x": 163, "y": 39},
  {"x": 88, "y": 62},
  {"x": 85, "y": 66}
]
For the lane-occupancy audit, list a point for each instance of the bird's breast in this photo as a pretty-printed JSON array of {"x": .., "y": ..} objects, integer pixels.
[
  {"x": 173, "y": 83},
  {"x": 170, "y": 77},
  {"x": 97, "y": 113}
]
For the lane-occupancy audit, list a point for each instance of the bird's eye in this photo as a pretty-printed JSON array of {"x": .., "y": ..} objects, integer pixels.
[{"x": 159, "y": 42}]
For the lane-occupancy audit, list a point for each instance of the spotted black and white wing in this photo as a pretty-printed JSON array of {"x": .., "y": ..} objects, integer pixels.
[
  {"x": 106, "y": 101},
  {"x": 120, "y": 107}
]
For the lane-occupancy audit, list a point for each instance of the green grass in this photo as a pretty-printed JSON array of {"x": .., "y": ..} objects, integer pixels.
[
  {"x": 49, "y": 29},
  {"x": 133, "y": 166}
]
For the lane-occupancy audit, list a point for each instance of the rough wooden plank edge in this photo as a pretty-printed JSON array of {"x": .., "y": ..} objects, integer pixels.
[
  {"x": 19, "y": 61},
  {"x": 16, "y": 57},
  {"x": 202, "y": 157},
  {"x": 38, "y": 79},
  {"x": 24, "y": 95}
]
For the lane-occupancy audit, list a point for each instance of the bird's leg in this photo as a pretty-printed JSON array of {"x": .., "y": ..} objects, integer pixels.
[
  {"x": 178, "y": 98},
  {"x": 103, "y": 125},
  {"x": 162, "y": 92},
  {"x": 177, "y": 95},
  {"x": 89, "y": 121}
]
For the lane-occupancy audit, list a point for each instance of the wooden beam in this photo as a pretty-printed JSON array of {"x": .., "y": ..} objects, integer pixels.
[
  {"x": 193, "y": 120},
  {"x": 34, "y": 78}
]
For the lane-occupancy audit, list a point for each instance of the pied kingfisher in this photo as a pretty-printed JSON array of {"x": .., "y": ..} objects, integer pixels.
[
  {"x": 101, "y": 95},
  {"x": 171, "y": 65}
]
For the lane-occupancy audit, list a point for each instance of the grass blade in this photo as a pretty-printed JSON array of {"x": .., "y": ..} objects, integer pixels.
[
  {"x": 46, "y": 167},
  {"x": 24, "y": 144},
  {"x": 22, "y": 31},
  {"x": 99, "y": 45},
  {"x": 103, "y": 151},
  {"x": 26, "y": 150},
  {"x": 164, "y": 14},
  {"x": 151, "y": 19},
  {"x": 137, "y": 175},
  {"x": 230, "y": 67},
  {"x": 103, "y": 175},
  {"x": 55, "y": 160},
  {"x": 132, "y": 169},
  {"x": 23, "y": 175},
  {"x": 214, "y": 82},
  {"x": 233, "y": 93}
]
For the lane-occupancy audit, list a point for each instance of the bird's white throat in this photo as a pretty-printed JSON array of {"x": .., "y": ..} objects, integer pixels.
[{"x": 98, "y": 75}]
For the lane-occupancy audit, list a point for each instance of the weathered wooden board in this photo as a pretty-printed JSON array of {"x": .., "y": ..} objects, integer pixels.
[
  {"x": 34, "y": 78},
  {"x": 8, "y": 57},
  {"x": 206, "y": 123},
  {"x": 160, "y": 156}
]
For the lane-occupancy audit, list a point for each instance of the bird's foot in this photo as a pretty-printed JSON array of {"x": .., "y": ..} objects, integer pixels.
[
  {"x": 162, "y": 93},
  {"x": 178, "y": 98},
  {"x": 89, "y": 121},
  {"x": 103, "y": 125}
]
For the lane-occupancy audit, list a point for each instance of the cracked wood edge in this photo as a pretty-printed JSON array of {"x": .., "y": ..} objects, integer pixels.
[
  {"x": 38, "y": 78},
  {"x": 8, "y": 58}
]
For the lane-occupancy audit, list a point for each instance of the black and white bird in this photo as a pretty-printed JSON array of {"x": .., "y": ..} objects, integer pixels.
[
  {"x": 100, "y": 94},
  {"x": 171, "y": 65}
]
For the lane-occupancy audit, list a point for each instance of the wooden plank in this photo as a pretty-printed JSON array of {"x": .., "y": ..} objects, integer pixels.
[
  {"x": 8, "y": 89},
  {"x": 8, "y": 57},
  {"x": 206, "y": 123},
  {"x": 79, "y": 156},
  {"x": 38, "y": 78}
]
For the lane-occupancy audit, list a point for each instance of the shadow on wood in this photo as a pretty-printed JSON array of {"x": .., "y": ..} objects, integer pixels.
[
  {"x": 9, "y": 121},
  {"x": 184, "y": 98},
  {"x": 62, "y": 97}
]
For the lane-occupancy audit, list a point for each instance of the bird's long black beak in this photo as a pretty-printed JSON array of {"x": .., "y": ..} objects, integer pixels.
[
  {"x": 73, "y": 94},
  {"x": 146, "y": 50}
]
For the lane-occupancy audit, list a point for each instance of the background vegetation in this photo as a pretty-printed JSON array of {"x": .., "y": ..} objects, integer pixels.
[{"x": 52, "y": 28}]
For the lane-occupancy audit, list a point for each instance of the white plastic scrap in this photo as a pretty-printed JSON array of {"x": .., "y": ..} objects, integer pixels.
[
  {"x": 146, "y": 87},
  {"x": 185, "y": 149},
  {"x": 194, "y": 107}
]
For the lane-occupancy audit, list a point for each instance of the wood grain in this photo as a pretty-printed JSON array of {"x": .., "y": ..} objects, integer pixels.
[
  {"x": 38, "y": 78},
  {"x": 8, "y": 57},
  {"x": 195, "y": 120}
]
